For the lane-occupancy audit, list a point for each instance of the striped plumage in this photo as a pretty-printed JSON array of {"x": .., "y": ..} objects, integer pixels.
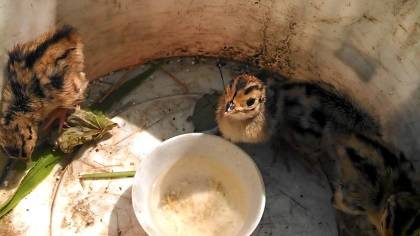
[
  {"x": 40, "y": 77},
  {"x": 297, "y": 112},
  {"x": 241, "y": 112},
  {"x": 370, "y": 172}
]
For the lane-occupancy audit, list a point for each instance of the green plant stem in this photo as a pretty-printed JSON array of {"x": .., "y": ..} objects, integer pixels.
[{"x": 108, "y": 175}]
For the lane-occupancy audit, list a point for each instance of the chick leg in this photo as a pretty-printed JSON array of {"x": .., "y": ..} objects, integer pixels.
[{"x": 60, "y": 115}]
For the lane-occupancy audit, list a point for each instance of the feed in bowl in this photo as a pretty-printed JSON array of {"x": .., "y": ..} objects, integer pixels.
[{"x": 190, "y": 201}]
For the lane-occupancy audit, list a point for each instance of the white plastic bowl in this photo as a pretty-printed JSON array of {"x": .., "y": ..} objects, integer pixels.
[{"x": 159, "y": 161}]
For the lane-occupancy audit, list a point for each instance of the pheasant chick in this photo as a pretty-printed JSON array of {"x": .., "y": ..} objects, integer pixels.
[
  {"x": 43, "y": 78},
  {"x": 253, "y": 111}
]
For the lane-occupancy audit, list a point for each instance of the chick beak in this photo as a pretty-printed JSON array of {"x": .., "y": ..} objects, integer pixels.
[{"x": 229, "y": 107}]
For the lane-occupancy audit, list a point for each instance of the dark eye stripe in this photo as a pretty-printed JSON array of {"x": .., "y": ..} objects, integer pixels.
[
  {"x": 64, "y": 55},
  {"x": 240, "y": 84},
  {"x": 251, "y": 88}
]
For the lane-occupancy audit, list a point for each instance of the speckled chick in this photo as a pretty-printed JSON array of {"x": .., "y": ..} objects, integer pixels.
[
  {"x": 254, "y": 111},
  {"x": 241, "y": 113},
  {"x": 42, "y": 79},
  {"x": 369, "y": 171}
]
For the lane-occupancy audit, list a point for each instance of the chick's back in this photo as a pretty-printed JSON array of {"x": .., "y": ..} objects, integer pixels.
[{"x": 44, "y": 74}]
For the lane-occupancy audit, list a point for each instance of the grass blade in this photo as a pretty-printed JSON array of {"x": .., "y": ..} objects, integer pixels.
[
  {"x": 39, "y": 171},
  {"x": 108, "y": 175}
]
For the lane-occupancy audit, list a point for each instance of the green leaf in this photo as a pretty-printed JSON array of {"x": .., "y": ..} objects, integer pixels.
[
  {"x": 39, "y": 171},
  {"x": 84, "y": 127}
]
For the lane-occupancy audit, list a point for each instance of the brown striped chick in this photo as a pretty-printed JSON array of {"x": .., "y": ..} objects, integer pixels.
[
  {"x": 401, "y": 215},
  {"x": 253, "y": 111},
  {"x": 43, "y": 79},
  {"x": 241, "y": 112},
  {"x": 369, "y": 171}
]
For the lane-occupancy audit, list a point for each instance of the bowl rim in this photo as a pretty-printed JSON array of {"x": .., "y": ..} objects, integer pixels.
[{"x": 146, "y": 225}]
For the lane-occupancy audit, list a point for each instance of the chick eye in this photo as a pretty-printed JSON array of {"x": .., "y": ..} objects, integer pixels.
[{"x": 250, "y": 102}]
